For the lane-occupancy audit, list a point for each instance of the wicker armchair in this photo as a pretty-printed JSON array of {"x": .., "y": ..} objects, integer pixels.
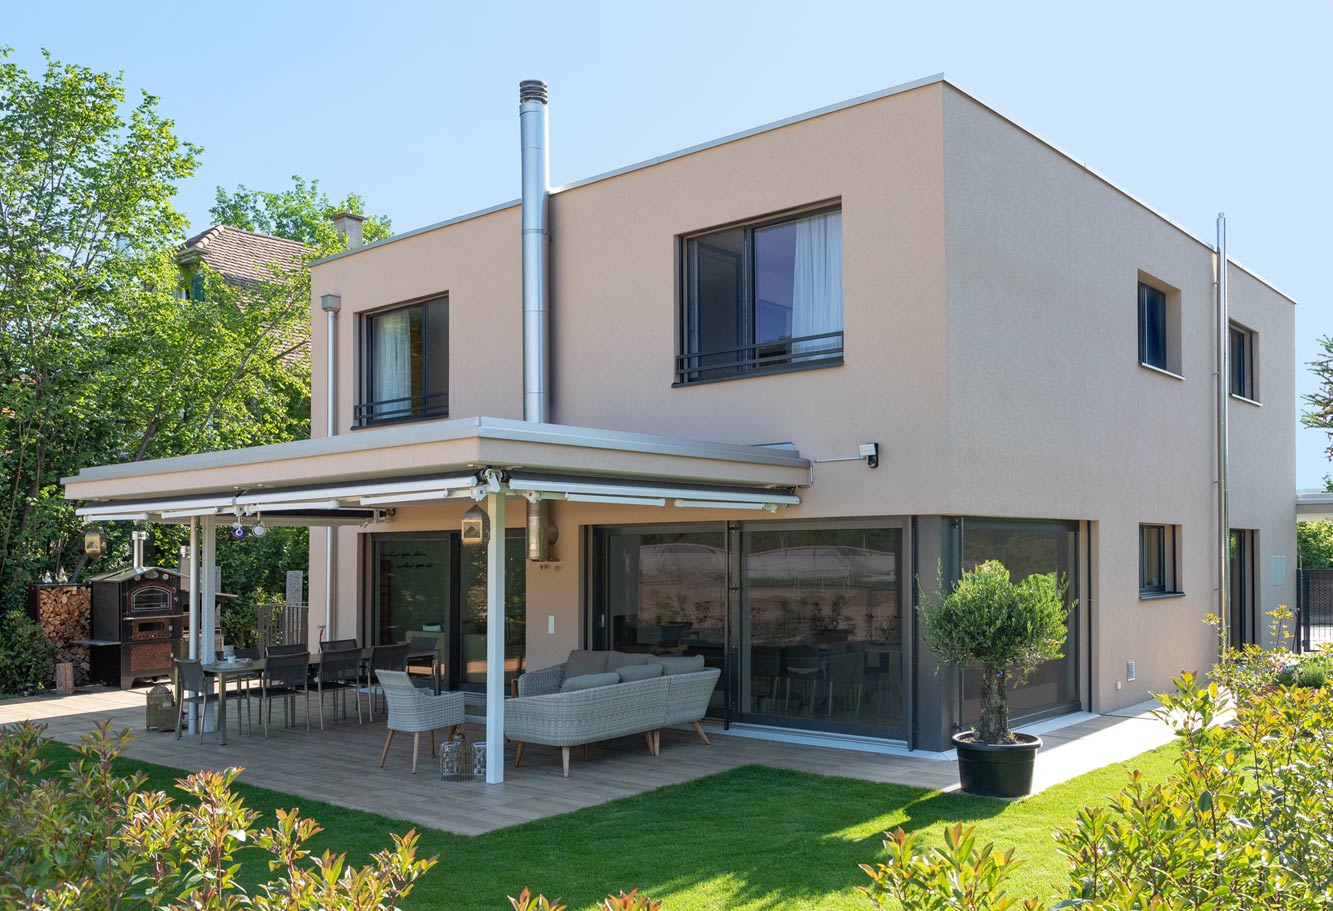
[{"x": 411, "y": 710}]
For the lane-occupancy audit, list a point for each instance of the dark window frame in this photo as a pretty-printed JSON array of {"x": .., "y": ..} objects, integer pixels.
[
  {"x": 433, "y": 404},
  {"x": 752, "y": 358},
  {"x": 1168, "y": 555},
  {"x": 1151, "y": 295},
  {"x": 1242, "y": 384}
]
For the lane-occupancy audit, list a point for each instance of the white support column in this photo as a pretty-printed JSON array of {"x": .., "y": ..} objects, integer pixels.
[
  {"x": 208, "y": 592},
  {"x": 495, "y": 641},
  {"x": 193, "y": 609}
]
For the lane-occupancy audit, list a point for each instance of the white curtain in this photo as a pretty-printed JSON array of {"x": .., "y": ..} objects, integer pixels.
[
  {"x": 817, "y": 283},
  {"x": 393, "y": 361}
]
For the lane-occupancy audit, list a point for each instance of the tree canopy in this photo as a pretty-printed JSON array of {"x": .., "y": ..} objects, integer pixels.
[{"x": 103, "y": 358}]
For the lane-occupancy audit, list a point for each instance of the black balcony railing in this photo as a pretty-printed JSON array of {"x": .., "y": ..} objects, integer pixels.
[
  {"x": 406, "y": 408},
  {"x": 807, "y": 351}
]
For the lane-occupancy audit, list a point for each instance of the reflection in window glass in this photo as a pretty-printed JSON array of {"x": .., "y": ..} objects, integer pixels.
[
  {"x": 822, "y": 619},
  {"x": 472, "y": 626},
  {"x": 1026, "y": 548},
  {"x": 411, "y": 587},
  {"x": 667, "y": 595}
]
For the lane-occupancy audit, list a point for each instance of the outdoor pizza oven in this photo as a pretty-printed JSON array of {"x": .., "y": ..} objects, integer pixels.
[{"x": 137, "y": 624}]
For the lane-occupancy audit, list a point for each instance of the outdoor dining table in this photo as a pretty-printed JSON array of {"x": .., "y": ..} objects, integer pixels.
[{"x": 240, "y": 670}]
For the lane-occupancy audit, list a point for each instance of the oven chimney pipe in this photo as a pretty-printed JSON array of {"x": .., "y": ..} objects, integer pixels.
[
  {"x": 139, "y": 536},
  {"x": 534, "y": 138}
]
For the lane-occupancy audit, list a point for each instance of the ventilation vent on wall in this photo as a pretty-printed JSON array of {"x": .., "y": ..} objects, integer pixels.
[{"x": 1129, "y": 670}]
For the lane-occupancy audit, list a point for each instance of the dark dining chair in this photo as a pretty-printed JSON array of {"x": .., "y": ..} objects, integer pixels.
[
  {"x": 339, "y": 645},
  {"x": 416, "y": 646},
  {"x": 339, "y": 671},
  {"x": 297, "y": 648},
  {"x": 383, "y": 658},
  {"x": 284, "y": 677}
]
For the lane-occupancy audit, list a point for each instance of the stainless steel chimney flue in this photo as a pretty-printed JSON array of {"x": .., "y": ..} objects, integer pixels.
[
  {"x": 536, "y": 300},
  {"x": 139, "y": 537},
  {"x": 536, "y": 239}
]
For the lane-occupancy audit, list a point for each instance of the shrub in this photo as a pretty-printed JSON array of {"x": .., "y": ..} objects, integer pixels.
[
  {"x": 85, "y": 838},
  {"x": 1006, "y": 628},
  {"x": 27, "y": 657},
  {"x": 1244, "y": 820}
]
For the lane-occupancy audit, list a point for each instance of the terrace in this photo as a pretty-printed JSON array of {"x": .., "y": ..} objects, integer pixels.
[{"x": 339, "y": 765}]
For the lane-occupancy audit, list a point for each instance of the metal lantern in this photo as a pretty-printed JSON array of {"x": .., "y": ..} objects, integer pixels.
[
  {"x": 479, "y": 760},
  {"x": 94, "y": 542},
  {"x": 476, "y": 527},
  {"x": 455, "y": 759},
  {"x": 161, "y": 709}
]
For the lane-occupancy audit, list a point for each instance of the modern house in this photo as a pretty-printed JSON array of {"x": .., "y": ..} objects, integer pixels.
[{"x": 740, "y": 400}]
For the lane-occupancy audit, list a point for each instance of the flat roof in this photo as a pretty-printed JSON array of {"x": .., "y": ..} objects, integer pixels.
[{"x": 938, "y": 78}]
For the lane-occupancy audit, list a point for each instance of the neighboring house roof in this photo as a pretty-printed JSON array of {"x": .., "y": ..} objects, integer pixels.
[
  {"x": 241, "y": 256},
  {"x": 247, "y": 258}
]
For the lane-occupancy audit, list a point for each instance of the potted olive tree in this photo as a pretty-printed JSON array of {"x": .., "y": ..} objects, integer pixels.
[{"x": 1006, "y": 629}]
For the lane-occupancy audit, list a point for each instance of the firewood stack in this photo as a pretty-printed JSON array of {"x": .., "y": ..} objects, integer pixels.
[{"x": 65, "y": 613}]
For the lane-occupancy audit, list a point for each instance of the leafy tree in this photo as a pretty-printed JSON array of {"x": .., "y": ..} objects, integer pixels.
[
  {"x": 304, "y": 213},
  {"x": 86, "y": 229}
]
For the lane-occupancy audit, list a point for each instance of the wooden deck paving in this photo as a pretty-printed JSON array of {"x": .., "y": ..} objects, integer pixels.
[{"x": 339, "y": 765}]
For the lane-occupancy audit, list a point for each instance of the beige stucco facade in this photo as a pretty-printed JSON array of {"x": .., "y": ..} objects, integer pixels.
[{"x": 990, "y": 348}]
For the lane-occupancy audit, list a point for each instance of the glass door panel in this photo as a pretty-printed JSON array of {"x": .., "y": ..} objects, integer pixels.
[
  {"x": 472, "y": 624},
  {"x": 821, "y": 628},
  {"x": 666, "y": 594},
  {"x": 410, "y": 587},
  {"x": 1027, "y": 547}
]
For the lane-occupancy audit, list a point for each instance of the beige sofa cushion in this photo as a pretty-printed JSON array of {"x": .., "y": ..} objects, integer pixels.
[
  {"x": 631, "y": 672},
  {"x": 680, "y": 664},
  {"x": 616, "y": 660},
  {"x": 583, "y": 661},
  {"x": 588, "y": 681}
]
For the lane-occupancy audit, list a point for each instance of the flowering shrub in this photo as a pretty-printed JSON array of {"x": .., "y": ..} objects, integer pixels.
[
  {"x": 87, "y": 838},
  {"x": 1244, "y": 821}
]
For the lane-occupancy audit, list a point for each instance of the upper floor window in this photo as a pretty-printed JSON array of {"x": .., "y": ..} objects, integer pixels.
[
  {"x": 1159, "y": 327},
  {"x": 1243, "y": 362},
  {"x": 405, "y": 364},
  {"x": 762, "y": 297}
]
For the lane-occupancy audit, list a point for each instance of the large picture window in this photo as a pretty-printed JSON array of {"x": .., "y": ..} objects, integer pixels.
[
  {"x": 1027, "y": 547},
  {"x": 405, "y": 362},
  {"x": 763, "y": 297}
]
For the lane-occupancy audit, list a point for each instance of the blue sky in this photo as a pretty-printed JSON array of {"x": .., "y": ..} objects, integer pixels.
[{"x": 1193, "y": 107}]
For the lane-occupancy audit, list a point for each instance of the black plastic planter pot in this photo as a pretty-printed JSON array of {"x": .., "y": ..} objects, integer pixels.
[{"x": 996, "y": 770}]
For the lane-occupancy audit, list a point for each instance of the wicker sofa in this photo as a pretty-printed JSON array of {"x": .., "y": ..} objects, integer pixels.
[{"x": 609, "y": 702}]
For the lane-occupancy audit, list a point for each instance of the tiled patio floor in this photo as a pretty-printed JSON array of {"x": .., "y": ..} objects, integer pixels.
[{"x": 339, "y": 765}]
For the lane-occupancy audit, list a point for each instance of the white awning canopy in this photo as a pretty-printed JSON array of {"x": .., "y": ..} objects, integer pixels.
[{"x": 356, "y": 478}]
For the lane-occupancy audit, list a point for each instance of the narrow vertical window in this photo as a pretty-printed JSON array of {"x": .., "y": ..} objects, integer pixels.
[
  {"x": 1152, "y": 327},
  {"x": 1242, "y": 362}
]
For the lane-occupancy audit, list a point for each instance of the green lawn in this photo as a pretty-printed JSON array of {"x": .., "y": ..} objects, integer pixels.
[{"x": 753, "y": 838}]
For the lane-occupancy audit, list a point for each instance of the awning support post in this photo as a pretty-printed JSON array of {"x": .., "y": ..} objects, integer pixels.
[
  {"x": 495, "y": 639},
  {"x": 193, "y": 608},
  {"x": 208, "y": 593}
]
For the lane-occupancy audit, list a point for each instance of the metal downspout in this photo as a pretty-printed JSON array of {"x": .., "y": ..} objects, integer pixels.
[{"x": 1223, "y": 443}]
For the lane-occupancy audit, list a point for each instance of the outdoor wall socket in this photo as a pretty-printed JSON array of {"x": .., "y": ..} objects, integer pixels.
[
  {"x": 1118, "y": 684},
  {"x": 550, "y": 624}
]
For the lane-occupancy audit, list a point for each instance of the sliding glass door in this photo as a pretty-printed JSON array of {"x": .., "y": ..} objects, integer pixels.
[
  {"x": 1027, "y": 547},
  {"x": 664, "y": 592},
  {"x": 427, "y": 582},
  {"x": 821, "y": 628},
  {"x": 805, "y": 621}
]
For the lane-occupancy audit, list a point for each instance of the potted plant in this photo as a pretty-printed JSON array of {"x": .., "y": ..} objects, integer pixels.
[{"x": 1006, "y": 629}]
